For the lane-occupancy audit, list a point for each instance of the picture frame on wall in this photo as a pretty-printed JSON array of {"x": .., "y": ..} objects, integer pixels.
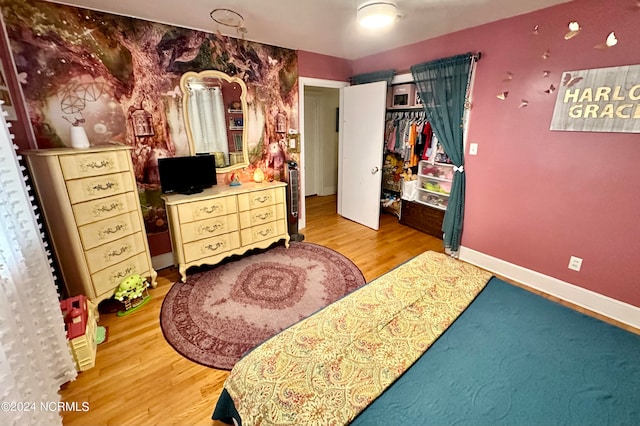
[{"x": 5, "y": 96}]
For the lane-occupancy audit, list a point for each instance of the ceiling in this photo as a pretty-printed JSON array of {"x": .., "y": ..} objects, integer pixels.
[{"x": 323, "y": 26}]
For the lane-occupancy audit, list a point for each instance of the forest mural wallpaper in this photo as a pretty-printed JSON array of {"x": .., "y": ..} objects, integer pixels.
[{"x": 98, "y": 70}]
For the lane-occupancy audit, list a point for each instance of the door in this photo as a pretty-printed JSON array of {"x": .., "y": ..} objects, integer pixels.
[
  {"x": 361, "y": 149},
  {"x": 311, "y": 142}
]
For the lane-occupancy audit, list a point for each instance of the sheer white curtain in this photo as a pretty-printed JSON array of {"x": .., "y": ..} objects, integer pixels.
[
  {"x": 34, "y": 357},
  {"x": 208, "y": 121}
]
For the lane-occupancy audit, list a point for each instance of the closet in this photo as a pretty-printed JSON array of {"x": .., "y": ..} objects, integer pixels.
[{"x": 417, "y": 174}]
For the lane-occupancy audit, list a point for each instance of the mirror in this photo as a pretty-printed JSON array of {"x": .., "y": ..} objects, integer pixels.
[{"x": 215, "y": 110}]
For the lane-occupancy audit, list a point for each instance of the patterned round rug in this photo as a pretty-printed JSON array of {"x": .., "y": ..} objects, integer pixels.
[{"x": 221, "y": 313}]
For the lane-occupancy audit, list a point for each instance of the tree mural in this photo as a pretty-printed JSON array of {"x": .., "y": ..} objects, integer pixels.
[{"x": 109, "y": 71}]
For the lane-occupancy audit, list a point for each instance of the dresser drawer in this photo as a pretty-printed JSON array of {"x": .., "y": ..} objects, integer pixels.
[
  {"x": 194, "y": 231},
  {"x": 108, "y": 230},
  {"x": 260, "y": 216},
  {"x": 100, "y": 186},
  {"x": 257, "y": 199},
  {"x": 111, "y": 253},
  {"x": 422, "y": 217},
  {"x": 214, "y": 207},
  {"x": 211, "y": 246},
  {"x": 94, "y": 164},
  {"x": 104, "y": 208},
  {"x": 262, "y": 232},
  {"x": 108, "y": 279}
]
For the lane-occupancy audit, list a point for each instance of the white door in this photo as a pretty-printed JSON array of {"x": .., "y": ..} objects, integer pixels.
[
  {"x": 311, "y": 142},
  {"x": 362, "y": 110}
]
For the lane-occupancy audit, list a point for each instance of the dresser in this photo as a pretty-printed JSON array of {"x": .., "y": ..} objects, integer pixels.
[
  {"x": 422, "y": 217},
  {"x": 225, "y": 220},
  {"x": 92, "y": 211}
]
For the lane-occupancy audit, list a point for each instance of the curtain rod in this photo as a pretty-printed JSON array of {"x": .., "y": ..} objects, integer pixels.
[{"x": 476, "y": 57}]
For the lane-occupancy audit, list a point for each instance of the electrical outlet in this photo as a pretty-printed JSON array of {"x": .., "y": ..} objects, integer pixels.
[{"x": 575, "y": 263}]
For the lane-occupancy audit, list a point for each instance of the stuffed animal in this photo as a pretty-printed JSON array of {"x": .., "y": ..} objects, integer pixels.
[{"x": 276, "y": 155}]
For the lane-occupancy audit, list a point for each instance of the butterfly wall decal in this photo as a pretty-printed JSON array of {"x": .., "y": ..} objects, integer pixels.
[{"x": 570, "y": 81}]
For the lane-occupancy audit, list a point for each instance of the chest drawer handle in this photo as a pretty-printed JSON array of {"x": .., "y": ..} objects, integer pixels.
[
  {"x": 99, "y": 187},
  {"x": 108, "y": 208},
  {"x": 119, "y": 276},
  {"x": 115, "y": 253},
  {"x": 209, "y": 229},
  {"x": 113, "y": 230},
  {"x": 263, "y": 216},
  {"x": 213, "y": 247},
  {"x": 209, "y": 210},
  {"x": 98, "y": 165},
  {"x": 263, "y": 199},
  {"x": 265, "y": 232}
]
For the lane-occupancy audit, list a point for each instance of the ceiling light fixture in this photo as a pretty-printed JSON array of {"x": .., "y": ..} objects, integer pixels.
[
  {"x": 377, "y": 14},
  {"x": 229, "y": 18}
]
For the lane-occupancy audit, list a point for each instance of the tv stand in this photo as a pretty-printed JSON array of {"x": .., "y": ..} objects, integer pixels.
[{"x": 225, "y": 220}]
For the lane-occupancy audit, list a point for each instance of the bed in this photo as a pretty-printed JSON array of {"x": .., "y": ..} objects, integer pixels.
[{"x": 438, "y": 341}]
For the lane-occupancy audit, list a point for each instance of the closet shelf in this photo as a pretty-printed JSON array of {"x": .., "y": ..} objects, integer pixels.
[
  {"x": 444, "y": 194},
  {"x": 414, "y": 108},
  {"x": 435, "y": 206}
]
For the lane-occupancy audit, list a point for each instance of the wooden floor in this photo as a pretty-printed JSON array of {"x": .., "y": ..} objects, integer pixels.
[{"x": 140, "y": 380}]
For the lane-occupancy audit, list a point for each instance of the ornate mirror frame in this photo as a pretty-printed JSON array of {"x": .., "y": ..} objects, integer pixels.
[{"x": 208, "y": 75}]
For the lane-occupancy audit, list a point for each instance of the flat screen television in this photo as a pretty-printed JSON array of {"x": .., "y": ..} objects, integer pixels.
[{"x": 187, "y": 175}]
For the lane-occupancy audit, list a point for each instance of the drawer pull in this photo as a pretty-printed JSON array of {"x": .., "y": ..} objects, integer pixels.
[
  {"x": 263, "y": 216},
  {"x": 119, "y": 276},
  {"x": 98, "y": 165},
  {"x": 99, "y": 187},
  {"x": 209, "y": 210},
  {"x": 113, "y": 230},
  {"x": 115, "y": 253},
  {"x": 213, "y": 247},
  {"x": 209, "y": 228},
  {"x": 263, "y": 199},
  {"x": 265, "y": 232},
  {"x": 109, "y": 208}
]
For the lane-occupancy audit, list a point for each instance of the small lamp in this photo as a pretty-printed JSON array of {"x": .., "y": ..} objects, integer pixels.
[
  {"x": 258, "y": 175},
  {"x": 377, "y": 14}
]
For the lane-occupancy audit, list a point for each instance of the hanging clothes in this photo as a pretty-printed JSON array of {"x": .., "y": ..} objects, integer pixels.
[{"x": 403, "y": 135}]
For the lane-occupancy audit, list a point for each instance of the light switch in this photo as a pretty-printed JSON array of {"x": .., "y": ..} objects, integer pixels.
[{"x": 473, "y": 149}]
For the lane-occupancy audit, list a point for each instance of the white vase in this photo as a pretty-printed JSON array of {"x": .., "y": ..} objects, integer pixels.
[{"x": 79, "y": 137}]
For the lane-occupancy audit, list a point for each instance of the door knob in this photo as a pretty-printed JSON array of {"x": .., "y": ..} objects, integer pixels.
[{"x": 375, "y": 170}]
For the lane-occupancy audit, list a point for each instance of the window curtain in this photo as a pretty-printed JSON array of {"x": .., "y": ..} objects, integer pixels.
[
  {"x": 208, "y": 125},
  {"x": 443, "y": 85},
  {"x": 372, "y": 77},
  {"x": 34, "y": 357}
]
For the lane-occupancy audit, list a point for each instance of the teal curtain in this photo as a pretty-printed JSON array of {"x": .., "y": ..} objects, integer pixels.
[
  {"x": 443, "y": 85},
  {"x": 371, "y": 77}
]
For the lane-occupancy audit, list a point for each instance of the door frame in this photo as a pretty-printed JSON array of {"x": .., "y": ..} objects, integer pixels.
[{"x": 302, "y": 83}]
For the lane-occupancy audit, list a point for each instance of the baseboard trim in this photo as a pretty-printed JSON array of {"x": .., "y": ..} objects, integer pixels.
[
  {"x": 611, "y": 308},
  {"x": 162, "y": 261}
]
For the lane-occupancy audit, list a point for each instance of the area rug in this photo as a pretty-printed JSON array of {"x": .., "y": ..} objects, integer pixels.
[{"x": 219, "y": 314}]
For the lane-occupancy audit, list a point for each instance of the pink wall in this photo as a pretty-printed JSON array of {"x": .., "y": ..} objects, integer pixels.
[
  {"x": 536, "y": 197},
  {"x": 315, "y": 65}
]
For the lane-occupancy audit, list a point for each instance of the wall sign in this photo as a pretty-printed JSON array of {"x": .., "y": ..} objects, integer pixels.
[{"x": 599, "y": 100}]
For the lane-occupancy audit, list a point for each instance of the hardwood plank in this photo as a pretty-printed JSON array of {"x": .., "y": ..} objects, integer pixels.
[{"x": 140, "y": 380}]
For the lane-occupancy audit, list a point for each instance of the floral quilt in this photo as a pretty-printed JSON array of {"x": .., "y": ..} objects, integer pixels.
[{"x": 327, "y": 368}]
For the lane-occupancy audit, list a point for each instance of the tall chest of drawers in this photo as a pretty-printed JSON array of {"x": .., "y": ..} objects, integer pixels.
[
  {"x": 92, "y": 211},
  {"x": 225, "y": 220}
]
